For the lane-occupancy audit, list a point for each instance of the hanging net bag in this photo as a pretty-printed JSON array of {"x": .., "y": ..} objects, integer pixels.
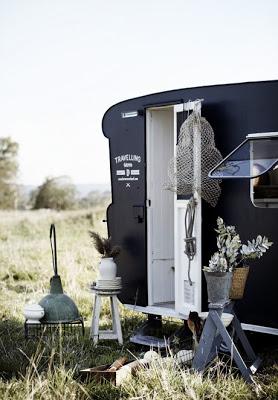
[{"x": 196, "y": 155}]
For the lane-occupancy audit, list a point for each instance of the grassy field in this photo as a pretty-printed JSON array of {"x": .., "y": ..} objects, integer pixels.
[{"x": 48, "y": 368}]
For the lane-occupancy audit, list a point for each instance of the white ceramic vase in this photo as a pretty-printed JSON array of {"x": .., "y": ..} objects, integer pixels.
[
  {"x": 107, "y": 269},
  {"x": 33, "y": 313}
]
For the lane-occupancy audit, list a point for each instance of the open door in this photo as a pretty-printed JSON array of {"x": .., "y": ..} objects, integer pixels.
[
  {"x": 169, "y": 285},
  {"x": 188, "y": 280}
]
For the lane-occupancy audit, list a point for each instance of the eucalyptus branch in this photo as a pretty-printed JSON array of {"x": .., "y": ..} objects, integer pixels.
[{"x": 231, "y": 252}]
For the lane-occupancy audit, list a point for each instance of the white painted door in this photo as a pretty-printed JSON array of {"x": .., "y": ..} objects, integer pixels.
[{"x": 188, "y": 297}]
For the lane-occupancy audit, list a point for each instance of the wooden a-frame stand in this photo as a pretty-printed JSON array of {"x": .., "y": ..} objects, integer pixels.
[{"x": 215, "y": 333}]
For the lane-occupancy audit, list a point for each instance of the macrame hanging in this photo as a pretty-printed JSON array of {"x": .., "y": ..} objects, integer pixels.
[{"x": 196, "y": 155}]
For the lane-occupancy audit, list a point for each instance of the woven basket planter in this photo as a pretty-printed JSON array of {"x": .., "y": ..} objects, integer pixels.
[{"x": 238, "y": 282}]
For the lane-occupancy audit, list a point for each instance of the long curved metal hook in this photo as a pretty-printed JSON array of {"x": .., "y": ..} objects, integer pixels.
[{"x": 53, "y": 248}]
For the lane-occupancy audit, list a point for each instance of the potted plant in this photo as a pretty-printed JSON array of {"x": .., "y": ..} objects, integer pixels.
[
  {"x": 107, "y": 265},
  {"x": 250, "y": 251},
  {"x": 231, "y": 257},
  {"x": 218, "y": 275}
]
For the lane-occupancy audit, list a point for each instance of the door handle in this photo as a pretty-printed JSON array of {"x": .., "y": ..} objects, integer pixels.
[{"x": 139, "y": 213}]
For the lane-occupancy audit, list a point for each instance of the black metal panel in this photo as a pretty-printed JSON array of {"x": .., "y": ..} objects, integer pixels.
[
  {"x": 233, "y": 111},
  {"x": 126, "y": 215}
]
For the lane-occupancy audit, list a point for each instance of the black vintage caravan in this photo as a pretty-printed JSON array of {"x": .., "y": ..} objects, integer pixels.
[{"x": 148, "y": 221}]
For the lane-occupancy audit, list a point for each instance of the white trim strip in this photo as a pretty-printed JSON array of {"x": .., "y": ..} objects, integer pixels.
[
  {"x": 258, "y": 328},
  {"x": 262, "y": 135},
  {"x": 157, "y": 310},
  {"x": 169, "y": 312}
]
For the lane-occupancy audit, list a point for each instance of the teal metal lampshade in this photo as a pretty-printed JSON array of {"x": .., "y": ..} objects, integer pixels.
[{"x": 58, "y": 307}]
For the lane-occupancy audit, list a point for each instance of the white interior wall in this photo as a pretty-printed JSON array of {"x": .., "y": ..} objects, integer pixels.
[{"x": 160, "y": 148}]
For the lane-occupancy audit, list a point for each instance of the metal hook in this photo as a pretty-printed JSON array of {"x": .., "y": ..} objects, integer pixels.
[{"x": 53, "y": 248}]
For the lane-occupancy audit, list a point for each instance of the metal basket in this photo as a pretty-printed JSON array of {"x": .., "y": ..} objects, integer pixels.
[{"x": 46, "y": 329}]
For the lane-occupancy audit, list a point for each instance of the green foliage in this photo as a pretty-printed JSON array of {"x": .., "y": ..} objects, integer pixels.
[
  {"x": 231, "y": 252},
  {"x": 8, "y": 171},
  {"x": 255, "y": 248},
  {"x": 55, "y": 193}
]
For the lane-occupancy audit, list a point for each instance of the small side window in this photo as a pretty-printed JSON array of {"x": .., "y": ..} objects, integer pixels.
[
  {"x": 256, "y": 159},
  {"x": 264, "y": 189}
]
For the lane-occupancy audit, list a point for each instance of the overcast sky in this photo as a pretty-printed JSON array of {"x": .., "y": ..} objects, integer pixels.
[{"x": 64, "y": 62}]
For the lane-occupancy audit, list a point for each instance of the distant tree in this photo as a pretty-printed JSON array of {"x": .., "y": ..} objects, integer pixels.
[
  {"x": 8, "y": 171},
  {"x": 24, "y": 198},
  {"x": 94, "y": 198},
  {"x": 55, "y": 193}
]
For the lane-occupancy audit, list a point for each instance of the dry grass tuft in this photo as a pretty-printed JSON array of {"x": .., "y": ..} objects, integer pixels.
[{"x": 164, "y": 381}]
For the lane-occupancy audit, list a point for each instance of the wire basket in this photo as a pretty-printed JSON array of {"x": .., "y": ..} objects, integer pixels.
[{"x": 46, "y": 329}]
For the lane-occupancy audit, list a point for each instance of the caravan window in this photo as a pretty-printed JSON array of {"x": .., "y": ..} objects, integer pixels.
[
  {"x": 252, "y": 158},
  {"x": 256, "y": 159}
]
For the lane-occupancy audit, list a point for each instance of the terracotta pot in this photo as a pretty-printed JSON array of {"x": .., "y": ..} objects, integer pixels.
[
  {"x": 218, "y": 286},
  {"x": 107, "y": 269},
  {"x": 238, "y": 282}
]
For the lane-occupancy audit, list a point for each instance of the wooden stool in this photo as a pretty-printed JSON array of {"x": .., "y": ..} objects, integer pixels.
[
  {"x": 116, "y": 332},
  {"x": 215, "y": 333}
]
